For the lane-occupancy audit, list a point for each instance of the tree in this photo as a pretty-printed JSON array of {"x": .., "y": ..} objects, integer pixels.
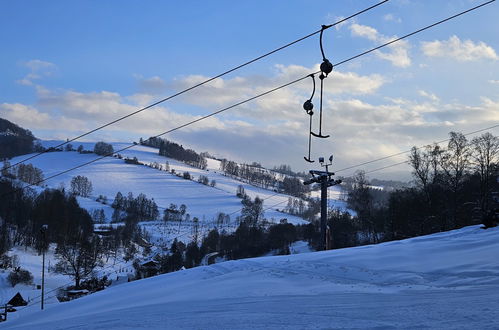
[
  {"x": 485, "y": 154},
  {"x": 425, "y": 164},
  {"x": 361, "y": 201},
  {"x": 20, "y": 276},
  {"x": 81, "y": 185},
  {"x": 78, "y": 258},
  {"x": 294, "y": 187},
  {"x": 203, "y": 179},
  {"x": 103, "y": 149},
  {"x": 280, "y": 236},
  {"x": 6, "y": 170},
  {"x": 211, "y": 242},
  {"x": 80, "y": 149},
  {"x": 14, "y": 140},
  {"x": 455, "y": 163},
  {"x": 252, "y": 212},
  {"x": 99, "y": 216},
  {"x": 192, "y": 255},
  {"x": 240, "y": 191},
  {"x": 68, "y": 147},
  {"x": 202, "y": 163},
  {"x": 29, "y": 174}
]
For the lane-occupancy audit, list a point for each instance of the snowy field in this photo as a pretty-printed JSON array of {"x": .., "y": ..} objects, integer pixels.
[
  {"x": 110, "y": 175},
  {"x": 442, "y": 281},
  {"x": 29, "y": 260}
]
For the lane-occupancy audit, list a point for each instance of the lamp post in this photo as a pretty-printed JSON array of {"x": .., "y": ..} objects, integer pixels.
[{"x": 44, "y": 245}]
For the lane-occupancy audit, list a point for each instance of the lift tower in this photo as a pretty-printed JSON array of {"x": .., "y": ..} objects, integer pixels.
[{"x": 324, "y": 178}]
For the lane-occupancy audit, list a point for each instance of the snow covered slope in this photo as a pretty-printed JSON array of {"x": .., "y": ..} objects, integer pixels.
[
  {"x": 441, "y": 281},
  {"x": 111, "y": 175}
]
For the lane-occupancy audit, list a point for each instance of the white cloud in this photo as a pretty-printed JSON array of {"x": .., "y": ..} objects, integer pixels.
[
  {"x": 284, "y": 103},
  {"x": 460, "y": 50},
  {"x": 365, "y": 32},
  {"x": 273, "y": 129},
  {"x": 398, "y": 53},
  {"x": 33, "y": 118},
  {"x": 428, "y": 95},
  {"x": 38, "y": 70},
  {"x": 492, "y": 81},
  {"x": 391, "y": 18},
  {"x": 152, "y": 85}
]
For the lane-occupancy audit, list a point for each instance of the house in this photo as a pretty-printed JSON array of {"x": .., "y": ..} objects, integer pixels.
[{"x": 17, "y": 300}]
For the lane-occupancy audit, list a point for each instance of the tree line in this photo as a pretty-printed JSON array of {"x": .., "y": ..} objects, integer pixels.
[
  {"x": 452, "y": 187},
  {"x": 176, "y": 151}
]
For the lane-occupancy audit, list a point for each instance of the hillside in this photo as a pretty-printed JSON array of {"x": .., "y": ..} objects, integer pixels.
[
  {"x": 111, "y": 175},
  {"x": 440, "y": 281},
  {"x": 14, "y": 140}
]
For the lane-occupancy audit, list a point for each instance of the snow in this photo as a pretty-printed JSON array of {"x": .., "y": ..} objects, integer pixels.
[
  {"x": 110, "y": 175},
  {"x": 441, "y": 281},
  {"x": 32, "y": 262}
]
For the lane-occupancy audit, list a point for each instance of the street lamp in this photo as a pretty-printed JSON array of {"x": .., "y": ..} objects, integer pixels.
[{"x": 44, "y": 244}]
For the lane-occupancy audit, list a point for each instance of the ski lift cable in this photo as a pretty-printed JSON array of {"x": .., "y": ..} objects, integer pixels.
[
  {"x": 281, "y": 202},
  {"x": 417, "y": 148},
  {"x": 248, "y": 100},
  {"x": 324, "y": 27}
]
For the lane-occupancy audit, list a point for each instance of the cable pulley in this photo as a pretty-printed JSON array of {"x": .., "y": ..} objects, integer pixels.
[
  {"x": 326, "y": 66},
  {"x": 308, "y": 105}
]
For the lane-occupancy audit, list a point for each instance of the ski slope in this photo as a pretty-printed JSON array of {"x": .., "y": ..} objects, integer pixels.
[
  {"x": 442, "y": 281},
  {"x": 110, "y": 175}
]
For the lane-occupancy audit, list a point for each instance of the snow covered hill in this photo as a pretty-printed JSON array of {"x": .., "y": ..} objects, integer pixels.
[
  {"x": 442, "y": 281},
  {"x": 111, "y": 175}
]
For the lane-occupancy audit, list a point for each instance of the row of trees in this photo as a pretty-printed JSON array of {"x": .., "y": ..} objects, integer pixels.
[
  {"x": 176, "y": 151},
  {"x": 248, "y": 240},
  {"x": 24, "y": 172},
  {"x": 138, "y": 208},
  {"x": 261, "y": 177},
  {"x": 453, "y": 187}
]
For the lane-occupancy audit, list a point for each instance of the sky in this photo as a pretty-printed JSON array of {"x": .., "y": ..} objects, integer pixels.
[{"x": 68, "y": 67}]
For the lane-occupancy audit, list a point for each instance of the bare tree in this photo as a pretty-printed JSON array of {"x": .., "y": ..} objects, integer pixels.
[
  {"x": 78, "y": 258},
  {"x": 361, "y": 201},
  {"x": 29, "y": 174},
  {"x": 485, "y": 155},
  {"x": 425, "y": 165},
  {"x": 81, "y": 185},
  {"x": 455, "y": 162}
]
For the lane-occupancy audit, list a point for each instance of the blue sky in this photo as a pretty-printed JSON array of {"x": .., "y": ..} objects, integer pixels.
[{"x": 67, "y": 67}]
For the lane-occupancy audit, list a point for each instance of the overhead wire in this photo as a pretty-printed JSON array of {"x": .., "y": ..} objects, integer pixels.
[
  {"x": 324, "y": 27},
  {"x": 35, "y": 301},
  {"x": 261, "y": 94},
  {"x": 416, "y": 148}
]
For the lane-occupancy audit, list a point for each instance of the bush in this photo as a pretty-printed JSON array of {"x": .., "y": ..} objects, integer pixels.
[
  {"x": 203, "y": 180},
  {"x": 20, "y": 276},
  {"x": 103, "y": 149},
  {"x": 186, "y": 175}
]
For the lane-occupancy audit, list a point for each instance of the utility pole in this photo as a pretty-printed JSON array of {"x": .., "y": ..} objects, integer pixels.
[
  {"x": 325, "y": 180},
  {"x": 44, "y": 242}
]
